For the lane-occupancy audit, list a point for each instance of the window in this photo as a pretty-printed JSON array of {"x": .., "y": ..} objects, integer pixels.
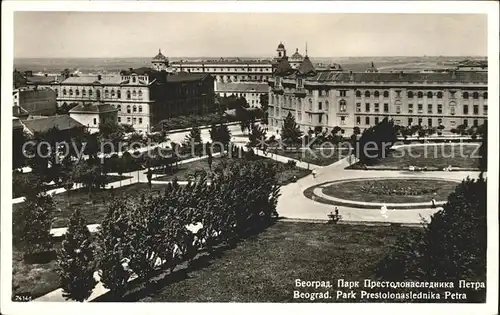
[
  {"x": 133, "y": 79},
  {"x": 106, "y": 93},
  {"x": 320, "y": 118},
  {"x": 485, "y": 109},
  {"x": 440, "y": 121},
  {"x": 452, "y": 110},
  {"x": 376, "y": 94},
  {"x": 326, "y": 105},
  {"x": 429, "y": 108},
  {"x": 367, "y": 94},
  {"x": 71, "y": 92},
  {"x": 475, "y": 109},
  {"x": 140, "y": 121},
  {"x": 367, "y": 107},
  {"x": 310, "y": 104},
  {"x": 376, "y": 120},
  {"x": 466, "y": 122},
  {"x": 84, "y": 93},
  {"x": 475, "y": 123},
  {"x": 119, "y": 94},
  {"x": 95, "y": 121},
  {"x": 429, "y": 122},
  {"x": 410, "y": 94},
  {"x": 429, "y": 94},
  {"x": 485, "y": 95},
  {"x": 119, "y": 107},
  {"x": 465, "y": 95},
  {"x": 466, "y": 109},
  {"x": 343, "y": 106},
  {"x": 64, "y": 91},
  {"x": 440, "y": 108},
  {"x": 358, "y": 93},
  {"x": 140, "y": 108},
  {"x": 98, "y": 94},
  {"x": 343, "y": 93},
  {"x": 475, "y": 95},
  {"x": 134, "y": 94},
  {"x": 398, "y": 109},
  {"x": 113, "y": 93},
  {"x": 320, "y": 106},
  {"x": 386, "y": 107},
  {"x": 410, "y": 121},
  {"x": 386, "y": 94},
  {"x": 420, "y": 95},
  {"x": 358, "y": 120},
  {"x": 134, "y": 109},
  {"x": 300, "y": 83},
  {"x": 140, "y": 94},
  {"x": 342, "y": 120},
  {"x": 119, "y": 119},
  {"x": 420, "y": 108},
  {"x": 128, "y": 95},
  {"x": 367, "y": 120},
  {"x": 376, "y": 107},
  {"x": 420, "y": 121},
  {"x": 358, "y": 107},
  {"x": 439, "y": 94},
  {"x": 452, "y": 123},
  {"x": 128, "y": 109},
  {"x": 410, "y": 108},
  {"x": 77, "y": 92},
  {"x": 134, "y": 121}
]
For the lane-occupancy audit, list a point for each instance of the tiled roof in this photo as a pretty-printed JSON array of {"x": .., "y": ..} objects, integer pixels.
[
  {"x": 283, "y": 67},
  {"x": 18, "y": 111},
  {"x": 306, "y": 67},
  {"x": 139, "y": 71},
  {"x": 223, "y": 61},
  {"x": 42, "y": 79},
  {"x": 187, "y": 77},
  {"x": 61, "y": 122},
  {"x": 93, "y": 79},
  {"x": 93, "y": 108},
  {"x": 358, "y": 77},
  {"x": 243, "y": 87},
  {"x": 160, "y": 56},
  {"x": 296, "y": 56}
]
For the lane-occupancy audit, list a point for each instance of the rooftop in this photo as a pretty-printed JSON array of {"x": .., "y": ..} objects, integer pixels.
[
  {"x": 94, "y": 108},
  {"x": 160, "y": 56},
  {"x": 224, "y": 61},
  {"x": 61, "y": 122},
  {"x": 187, "y": 77},
  {"x": 243, "y": 87}
]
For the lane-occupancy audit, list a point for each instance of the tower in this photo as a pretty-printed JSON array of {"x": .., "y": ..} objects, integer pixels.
[
  {"x": 159, "y": 62},
  {"x": 280, "y": 51}
]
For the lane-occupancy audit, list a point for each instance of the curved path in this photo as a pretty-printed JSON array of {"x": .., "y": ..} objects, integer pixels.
[{"x": 293, "y": 204}]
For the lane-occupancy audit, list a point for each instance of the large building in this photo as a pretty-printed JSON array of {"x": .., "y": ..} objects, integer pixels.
[
  {"x": 334, "y": 97},
  {"x": 143, "y": 96},
  {"x": 227, "y": 70},
  {"x": 251, "y": 91},
  {"x": 35, "y": 101}
]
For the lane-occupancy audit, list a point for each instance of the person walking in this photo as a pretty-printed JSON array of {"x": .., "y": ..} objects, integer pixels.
[
  {"x": 313, "y": 173},
  {"x": 433, "y": 203},
  {"x": 149, "y": 176}
]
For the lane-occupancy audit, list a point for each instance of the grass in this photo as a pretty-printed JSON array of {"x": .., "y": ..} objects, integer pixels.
[
  {"x": 185, "y": 171},
  {"x": 92, "y": 212},
  {"x": 33, "y": 280},
  {"x": 316, "y": 156},
  {"x": 352, "y": 190},
  {"x": 438, "y": 156},
  {"x": 264, "y": 267}
]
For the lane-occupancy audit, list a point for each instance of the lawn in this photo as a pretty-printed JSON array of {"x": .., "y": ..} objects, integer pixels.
[
  {"x": 185, "y": 171},
  {"x": 316, "y": 156},
  {"x": 264, "y": 268},
  {"x": 434, "y": 157},
  {"x": 391, "y": 190},
  {"x": 92, "y": 208}
]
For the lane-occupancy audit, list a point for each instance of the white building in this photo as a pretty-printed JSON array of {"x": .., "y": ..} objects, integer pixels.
[
  {"x": 251, "y": 91},
  {"x": 93, "y": 114}
]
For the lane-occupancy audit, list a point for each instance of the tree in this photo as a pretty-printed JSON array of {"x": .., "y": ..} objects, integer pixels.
[
  {"x": 220, "y": 134},
  {"x": 257, "y": 137},
  {"x": 76, "y": 264},
  {"x": 290, "y": 133},
  {"x": 376, "y": 141},
  {"x": 88, "y": 173},
  {"x": 18, "y": 79},
  {"x": 451, "y": 247},
  {"x": 128, "y": 128},
  {"x": 193, "y": 140},
  {"x": 483, "y": 149},
  {"x": 264, "y": 105},
  {"x": 36, "y": 212},
  {"x": 65, "y": 73}
]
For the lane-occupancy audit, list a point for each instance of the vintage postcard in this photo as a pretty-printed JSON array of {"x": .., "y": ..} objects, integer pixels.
[{"x": 296, "y": 157}]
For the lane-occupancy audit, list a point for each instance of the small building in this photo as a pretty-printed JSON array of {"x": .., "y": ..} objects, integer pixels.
[
  {"x": 93, "y": 114},
  {"x": 251, "y": 91},
  {"x": 36, "y": 100},
  {"x": 66, "y": 125}
]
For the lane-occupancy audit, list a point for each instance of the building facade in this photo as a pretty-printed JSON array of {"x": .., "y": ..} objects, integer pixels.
[
  {"x": 339, "y": 98},
  {"x": 142, "y": 96},
  {"x": 251, "y": 91},
  {"x": 36, "y": 101},
  {"x": 93, "y": 114}
]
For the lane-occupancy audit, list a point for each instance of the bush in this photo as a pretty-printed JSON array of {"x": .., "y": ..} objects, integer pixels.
[{"x": 291, "y": 163}]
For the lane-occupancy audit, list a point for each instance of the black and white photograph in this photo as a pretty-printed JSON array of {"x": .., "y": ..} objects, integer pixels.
[{"x": 312, "y": 154}]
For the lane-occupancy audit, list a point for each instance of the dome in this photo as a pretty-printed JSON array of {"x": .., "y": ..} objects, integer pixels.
[
  {"x": 296, "y": 56},
  {"x": 160, "y": 56},
  {"x": 281, "y": 46}
]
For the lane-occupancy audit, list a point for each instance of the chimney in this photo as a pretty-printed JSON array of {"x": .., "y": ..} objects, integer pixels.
[
  {"x": 453, "y": 74},
  {"x": 130, "y": 69},
  {"x": 400, "y": 74},
  {"x": 351, "y": 76},
  {"x": 99, "y": 77}
]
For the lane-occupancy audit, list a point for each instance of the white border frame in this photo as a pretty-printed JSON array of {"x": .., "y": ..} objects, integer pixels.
[{"x": 467, "y": 7}]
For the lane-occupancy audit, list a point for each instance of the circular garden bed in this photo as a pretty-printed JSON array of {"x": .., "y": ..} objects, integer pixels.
[{"x": 391, "y": 190}]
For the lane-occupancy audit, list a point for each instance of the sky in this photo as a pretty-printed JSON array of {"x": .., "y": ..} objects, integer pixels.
[{"x": 141, "y": 34}]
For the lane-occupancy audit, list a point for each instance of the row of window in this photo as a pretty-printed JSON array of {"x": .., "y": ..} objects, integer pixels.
[
  {"x": 420, "y": 108},
  {"x": 367, "y": 121},
  {"x": 411, "y": 94},
  {"x": 129, "y": 94},
  {"x": 131, "y": 120},
  {"x": 231, "y": 69}
]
